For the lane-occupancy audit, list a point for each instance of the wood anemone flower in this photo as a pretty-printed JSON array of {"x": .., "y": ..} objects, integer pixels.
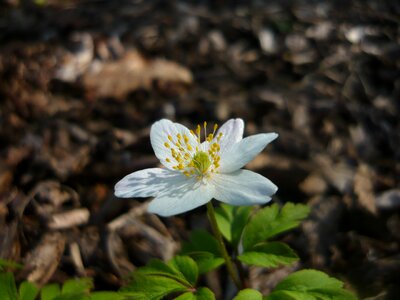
[{"x": 199, "y": 169}]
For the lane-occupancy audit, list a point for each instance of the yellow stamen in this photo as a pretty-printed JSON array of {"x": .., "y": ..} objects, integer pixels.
[
  {"x": 198, "y": 129},
  {"x": 187, "y": 157},
  {"x": 215, "y": 128}
]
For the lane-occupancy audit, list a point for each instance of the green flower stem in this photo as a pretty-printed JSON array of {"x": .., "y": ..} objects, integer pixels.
[
  {"x": 242, "y": 276},
  {"x": 229, "y": 265}
]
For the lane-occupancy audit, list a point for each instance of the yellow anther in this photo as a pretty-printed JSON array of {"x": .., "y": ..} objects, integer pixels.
[
  {"x": 189, "y": 147},
  {"x": 192, "y": 132},
  {"x": 186, "y": 173},
  {"x": 205, "y": 124},
  {"x": 166, "y": 144},
  {"x": 215, "y": 128},
  {"x": 170, "y": 137},
  {"x": 198, "y": 130},
  {"x": 179, "y": 136},
  {"x": 219, "y": 136},
  {"x": 167, "y": 160},
  {"x": 185, "y": 138}
]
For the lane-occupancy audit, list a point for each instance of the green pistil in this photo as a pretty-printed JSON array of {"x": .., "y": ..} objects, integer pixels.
[{"x": 201, "y": 161}]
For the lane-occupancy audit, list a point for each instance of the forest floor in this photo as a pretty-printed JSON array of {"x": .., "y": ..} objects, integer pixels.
[{"x": 81, "y": 82}]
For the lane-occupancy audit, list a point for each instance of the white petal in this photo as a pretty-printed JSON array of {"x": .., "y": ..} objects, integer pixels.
[
  {"x": 147, "y": 183},
  {"x": 244, "y": 151},
  {"x": 243, "y": 187},
  {"x": 159, "y": 136},
  {"x": 232, "y": 132},
  {"x": 181, "y": 198},
  {"x": 204, "y": 146}
]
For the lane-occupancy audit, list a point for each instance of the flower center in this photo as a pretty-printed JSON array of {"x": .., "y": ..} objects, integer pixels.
[
  {"x": 193, "y": 157},
  {"x": 201, "y": 162}
]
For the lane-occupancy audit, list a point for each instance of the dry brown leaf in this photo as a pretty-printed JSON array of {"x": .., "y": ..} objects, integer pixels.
[
  {"x": 118, "y": 255},
  {"x": 131, "y": 72},
  {"x": 69, "y": 219},
  {"x": 314, "y": 184},
  {"x": 143, "y": 236},
  {"x": 50, "y": 196},
  {"x": 364, "y": 188},
  {"x": 340, "y": 175},
  {"x": 43, "y": 260},
  {"x": 389, "y": 200}
]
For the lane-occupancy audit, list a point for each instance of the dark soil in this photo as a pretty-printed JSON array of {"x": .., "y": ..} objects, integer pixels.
[{"x": 82, "y": 81}]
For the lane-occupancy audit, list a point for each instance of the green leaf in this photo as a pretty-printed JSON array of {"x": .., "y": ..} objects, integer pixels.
[
  {"x": 186, "y": 266},
  {"x": 72, "y": 296},
  {"x": 310, "y": 285},
  {"x": 171, "y": 270},
  {"x": 77, "y": 286},
  {"x": 248, "y": 294},
  {"x": 231, "y": 221},
  {"x": 159, "y": 279},
  {"x": 201, "y": 240},
  {"x": 8, "y": 290},
  {"x": 289, "y": 295},
  {"x": 306, "y": 280},
  {"x": 106, "y": 296},
  {"x": 158, "y": 267},
  {"x": 204, "y": 293},
  {"x": 28, "y": 291},
  {"x": 186, "y": 296},
  {"x": 50, "y": 292},
  {"x": 5, "y": 263},
  {"x": 206, "y": 261},
  {"x": 154, "y": 287},
  {"x": 203, "y": 248},
  {"x": 270, "y": 221},
  {"x": 270, "y": 255},
  {"x": 200, "y": 294},
  {"x": 333, "y": 294}
]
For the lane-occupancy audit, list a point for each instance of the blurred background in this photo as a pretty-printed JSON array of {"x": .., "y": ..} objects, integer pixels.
[{"x": 81, "y": 82}]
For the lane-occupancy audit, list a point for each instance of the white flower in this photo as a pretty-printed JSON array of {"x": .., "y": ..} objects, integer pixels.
[{"x": 195, "y": 171}]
